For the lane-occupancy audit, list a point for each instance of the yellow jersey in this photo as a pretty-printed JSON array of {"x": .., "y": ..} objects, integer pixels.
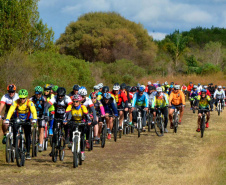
[{"x": 77, "y": 112}]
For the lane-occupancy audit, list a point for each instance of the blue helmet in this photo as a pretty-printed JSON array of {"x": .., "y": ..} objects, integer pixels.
[
  {"x": 171, "y": 86},
  {"x": 141, "y": 89},
  {"x": 204, "y": 90},
  {"x": 107, "y": 95}
]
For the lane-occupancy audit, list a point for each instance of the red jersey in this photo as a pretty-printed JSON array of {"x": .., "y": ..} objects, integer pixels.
[
  {"x": 207, "y": 93},
  {"x": 120, "y": 97}
]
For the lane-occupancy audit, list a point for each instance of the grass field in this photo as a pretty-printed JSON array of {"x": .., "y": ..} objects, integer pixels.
[{"x": 182, "y": 158}]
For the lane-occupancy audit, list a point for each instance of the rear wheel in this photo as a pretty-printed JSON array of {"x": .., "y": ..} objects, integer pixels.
[
  {"x": 75, "y": 154},
  {"x": 203, "y": 121},
  {"x": 8, "y": 149}
]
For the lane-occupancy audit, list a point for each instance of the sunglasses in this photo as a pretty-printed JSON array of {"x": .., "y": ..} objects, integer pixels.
[
  {"x": 60, "y": 96},
  {"x": 22, "y": 98},
  {"x": 93, "y": 98},
  {"x": 83, "y": 96},
  {"x": 75, "y": 101},
  {"x": 10, "y": 92}
]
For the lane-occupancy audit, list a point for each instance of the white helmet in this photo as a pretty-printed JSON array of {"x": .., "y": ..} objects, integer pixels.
[
  {"x": 177, "y": 87},
  {"x": 166, "y": 83},
  {"x": 195, "y": 87},
  {"x": 82, "y": 92},
  {"x": 143, "y": 86},
  {"x": 205, "y": 87},
  {"x": 101, "y": 85},
  {"x": 116, "y": 87},
  {"x": 149, "y": 83},
  {"x": 96, "y": 87},
  {"x": 219, "y": 87},
  {"x": 159, "y": 89}
]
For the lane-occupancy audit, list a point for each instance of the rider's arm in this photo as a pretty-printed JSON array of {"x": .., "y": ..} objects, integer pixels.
[
  {"x": 125, "y": 99},
  {"x": 215, "y": 93},
  {"x": 134, "y": 99},
  {"x": 3, "y": 100},
  {"x": 115, "y": 111},
  {"x": 183, "y": 98},
  {"x": 33, "y": 110},
  {"x": 102, "y": 110},
  {"x": 146, "y": 100},
  {"x": 210, "y": 102},
  {"x": 11, "y": 110},
  {"x": 153, "y": 102},
  {"x": 94, "y": 113},
  {"x": 166, "y": 99}
]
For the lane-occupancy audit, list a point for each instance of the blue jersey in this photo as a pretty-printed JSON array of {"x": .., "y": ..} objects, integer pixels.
[
  {"x": 39, "y": 104},
  {"x": 140, "y": 100},
  {"x": 110, "y": 107},
  {"x": 194, "y": 93}
]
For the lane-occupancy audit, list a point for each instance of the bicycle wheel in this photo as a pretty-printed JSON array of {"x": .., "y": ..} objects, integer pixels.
[
  {"x": 34, "y": 143},
  {"x": 20, "y": 154},
  {"x": 132, "y": 129},
  {"x": 45, "y": 143},
  {"x": 61, "y": 148},
  {"x": 175, "y": 122},
  {"x": 12, "y": 154},
  {"x": 138, "y": 127},
  {"x": 75, "y": 153},
  {"x": 115, "y": 129},
  {"x": 8, "y": 149},
  {"x": 219, "y": 109},
  {"x": 90, "y": 138},
  {"x": 54, "y": 152},
  {"x": 159, "y": 126},
  {"x": 203, "y": 122},
  {"x": 149, "y": 122},
  {"x": 103, "y": 137}
]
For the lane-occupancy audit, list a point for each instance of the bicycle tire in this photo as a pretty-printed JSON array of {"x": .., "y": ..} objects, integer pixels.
[
  {"x": 202, "y": 126},
  {"x": 103, "y": 137},
  {"x": 127, "y": 130},
  {"x": 115, "y": 129},
  {"x": 175, "y": 124},
  {"x": 159, "y": 127},
  {"x": 54, "y": 152},
  {"x": 8, "y": 148},
  {"x": 219, "y": 111},
  {"x": 13, "y": 155},
  {"x": 61, "y": 148},
  {"x": 45, "y": 142},
  {"x": 20, "y": 155},
  {"x": 149, "y": 122},
  {"x": 132, "y": 129},
  {"x": 80, "y": 158},
  {"x": 75, "y": 153},
  {"x": 34, "y": 143},
  {"x": 138, "y": 127}
]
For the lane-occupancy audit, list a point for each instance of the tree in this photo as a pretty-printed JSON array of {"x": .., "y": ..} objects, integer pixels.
[
  {"x": 107, "y": 37},
  {"x": 20, "y": 27}
]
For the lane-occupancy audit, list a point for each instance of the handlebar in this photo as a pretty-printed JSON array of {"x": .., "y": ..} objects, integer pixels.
[{"x": 77, "y": 123}]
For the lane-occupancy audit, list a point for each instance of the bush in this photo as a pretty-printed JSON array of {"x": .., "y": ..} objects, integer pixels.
[{"x": 209, "y": 68}]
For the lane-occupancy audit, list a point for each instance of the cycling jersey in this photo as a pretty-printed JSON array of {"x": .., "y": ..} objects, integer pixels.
[
  {"x": 51, "y": 108},
  {"x": 87, "y": 102},
  {"x": 77, "y": 113},
  {"x": 60, "y": 106},
  {"x": 140, "y": 100},
  {"x": 177, "y": 98},
  {"x": 8, "y": 101},
  {"x": 183, "y": 88},
  {"x": 99, "y": 108},
  {"x": 190, "y": 87},
  {"x": 219, "y": 94},
  {"x": 160, "y": 101},
  {"x": 199, "y": 88},
  {"x": 151, "y": 98},
  {"x": 194, "y": 93},
  {"x": 39, "y": 104},
  {"x": 23, "y": 110},
  {"x": 120, "y": 97},
  {"x": 109, "y": 107},
  {"x": 207, "y": 93},
  {"x": 203, "y": 103}
]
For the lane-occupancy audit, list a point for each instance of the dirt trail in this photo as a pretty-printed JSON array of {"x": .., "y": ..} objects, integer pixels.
[{"x": 182, "y": 158}]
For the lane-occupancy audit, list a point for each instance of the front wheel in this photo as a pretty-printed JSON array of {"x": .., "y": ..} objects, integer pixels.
[
  {"x": 90, "y": 138},
  {"x": 175, "y": 123},
  {"x": 149, "y": 123},
  {"x": 8, "y": 149},
  {"x": 54, "y": 152},
  {"x": 159, "y": 127},
  {"x": 203, "y": 121},
  {"x": 62, "y": 148},
  {"x": 20, "y": 153},
  {"x": 75, "y": 153},
  {"x": 103, "y": 137},
  {"x": 115, "y": 129},
  {"x": 139, "y": 127},
  {"x": 219, "y": 109},
  {"x": 34, "y": 143}
]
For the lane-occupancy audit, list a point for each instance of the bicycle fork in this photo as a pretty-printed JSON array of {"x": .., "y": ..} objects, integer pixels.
[{"x": 76, "y": 133}]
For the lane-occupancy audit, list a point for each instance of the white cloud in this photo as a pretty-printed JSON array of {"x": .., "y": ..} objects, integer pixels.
[{"x": 157, "y": 35}]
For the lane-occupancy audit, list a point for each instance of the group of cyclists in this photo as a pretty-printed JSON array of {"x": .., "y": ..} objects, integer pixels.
[{"x": 122, "y": 102}]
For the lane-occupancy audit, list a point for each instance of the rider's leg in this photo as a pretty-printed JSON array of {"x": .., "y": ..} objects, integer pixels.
[
  {"x": 41, "y": 126},
  {"x": 96, "y": 128},
  {"x": 143, "y": 114},
  {"x": 207, "y": 117},
  {"x": 121, "y": 117},
  {"x": 181, "y": 112},
  {"x": 199, "y": 120},
  {"x": 165, "y": 113},
  {"x": 171, "y": 115}
]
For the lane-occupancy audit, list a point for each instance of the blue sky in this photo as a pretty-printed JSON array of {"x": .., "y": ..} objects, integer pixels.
[{"x": 159, "y": 17}]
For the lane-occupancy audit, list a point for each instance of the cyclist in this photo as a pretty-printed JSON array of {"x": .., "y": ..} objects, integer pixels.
[
  {"x": 151, "y": 95},
  {"x": 75, "y": 90},
  {"x": 131, "y": 93},
  {"x": 190, "y": 87},
  {"x": 184, "y": 89},
  {"x": 51, "y": 112},
  {"x": 170, "y": 89},
  {"x": 219, "y": 95},
  {"x": 96, "y": 90},
  {"x": 193, "y": 95},
  {"x": 161, "y": 101},
  {"x": 211, "y": 89},
  {"x": 54, "y": 89},
  {"x": 122, "y": 102},
  {"x": 207, "y": 91},
  {"x": 199, "y": 88},
  {"x": 100, "y": 113},
  {"x": 100, "y": 88},
  {"x": 7, "y": 100},
  {"x": 60, "y": 102},
  {"x": 40, "y": 102},
  {"x": 109, "y": 108},
  {"x": 140, "y": 98},
  {"x": 78, "y": 113},
  {"x": 203, "y": 101},
  {"x": 23, "y": 107},
  {"x": 89, "y": 105},
  {"x": 176, "y": 98},
  {"x": 167, "y": 86},
  {"x": 146, "y": 88}
]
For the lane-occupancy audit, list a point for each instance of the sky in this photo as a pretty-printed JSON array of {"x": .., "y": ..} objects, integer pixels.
[{"x": 159, "y": 17}]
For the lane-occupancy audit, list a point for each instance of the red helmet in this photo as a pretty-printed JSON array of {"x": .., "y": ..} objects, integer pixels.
[
  {"x": 93, "y": 94},
  {"x": 76, "y": 97},
  {"x": 11, "y": 87}
]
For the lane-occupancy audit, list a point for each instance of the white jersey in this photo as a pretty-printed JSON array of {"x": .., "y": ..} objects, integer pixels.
[
  {"x": 88, "y": 102},
  {"x": 219, "y": 94},
  {"x": 8, "y": 101},
  {"x": 199, "y": 88},
  {"x": 60, "y": 106}
]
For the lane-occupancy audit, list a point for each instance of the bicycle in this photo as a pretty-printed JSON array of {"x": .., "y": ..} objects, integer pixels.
[
  {"x": 19, "y": 145},
  {"x": 91, "y": 137},
  {"x": 76, "y": 142},
  {"x": 115, "y": 127},
  {"x": 219, "y": 106},
  {"x": 139, "y": 121},
  {"x": 203, "y": 121},
  {"x": 176, "y": 117},
  {"x": 103, "y": 133},
  {"x": 150, "y": 118},
  {"x": 46, "y": 136},
  {"x": 34, "y": 142},
  {"x": 9, "y": 149},
  {"x": 159, "y": 123},
  {"x": 58, "y": 143}
]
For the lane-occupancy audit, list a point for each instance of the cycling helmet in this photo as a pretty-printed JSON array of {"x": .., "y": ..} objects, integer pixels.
[
  {"x": 76, "y": 87},
  {"x": 82, "y": 91},
  {"x": 149, "y": 83},
  {"x": 143, "y": 86},
  {"x": 159, "y": 89},
  {"x": 219, "y": 87},
  {"x": 166, "y": 83},
  {"x": 55, "y": 87},
  {"x": 96, "y": 87},
  {"x": 128, "y": 88},
  {"x": 172, "y": 83},
  {"x": 61, "y": 91},
  {"x": 150, "y": 88},
  {"x": 122, "y": 86},
  {"x": 105, "y": 89},
  {"x": 171, "y": 86},
  {"x": 38, "y": 90},
  {"x": 141, "y": 89},
  {"x": 107, "y": 95},
  {"x": 199, "y": 84},
  {"x": 177, "y": 87},
  {"x": 11, "y": 88},
  {"x": 100, "y": 85},
  {"x": 162, "y": 84},
  {"x": 138, "y": 85},
  {"x": 93, "y": 94},
  {"x": 116, "y": 87},
  {"x": 47, "y": 87},
  {"x": 205, "y": 87},
  {"x": 195, "y": 87},
  {"x": 23, "y": 93},
  {"x": 204, "y": 90},
  {"x": 133, "y": 89},
  {"x": 223, "y": 87},
  {"x": 76, "y": 97}
]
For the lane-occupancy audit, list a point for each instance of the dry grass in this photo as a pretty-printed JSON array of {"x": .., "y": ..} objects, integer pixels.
[
  {"x": 218, "y": 78},
  {"x": 182, "y": 158}
]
